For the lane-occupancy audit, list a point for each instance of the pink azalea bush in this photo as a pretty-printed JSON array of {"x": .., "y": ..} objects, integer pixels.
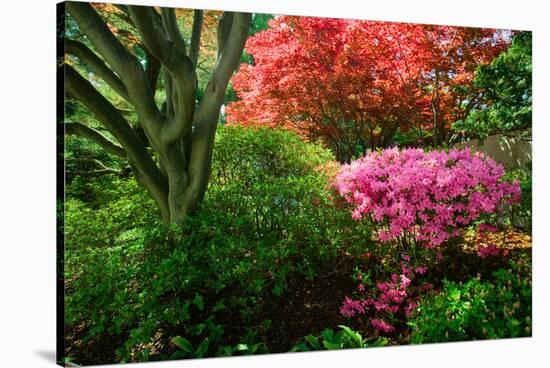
[
  {"x": 417, "y": 198},
  {"x": 424, "y": 196}
]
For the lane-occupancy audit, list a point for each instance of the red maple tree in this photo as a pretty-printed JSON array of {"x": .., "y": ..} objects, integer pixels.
[{"x": 352, "y": 84}]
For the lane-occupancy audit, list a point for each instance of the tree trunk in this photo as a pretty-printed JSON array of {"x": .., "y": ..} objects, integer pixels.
[
  {"x": 181, "y": 135},
  {"x": 435, "y": 109}
]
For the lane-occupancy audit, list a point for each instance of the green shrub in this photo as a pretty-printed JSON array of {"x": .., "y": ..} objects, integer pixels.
[
  {"x": 506, "y": 101},
  {"x": 104, "y": 251},
  {"x": 267, "y": 215},
  {"x": 477, "y": 310},
  {"x": 274, "y": 189},
  {"x": 346, "y": 338},
  {"x": 521, "y": 216},
  {"x": 187, "y": 350},
  {"x": 115, "y": 211}
]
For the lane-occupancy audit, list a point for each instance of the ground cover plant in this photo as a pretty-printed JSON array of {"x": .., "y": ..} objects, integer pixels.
[{"x": 240, "y": 184}]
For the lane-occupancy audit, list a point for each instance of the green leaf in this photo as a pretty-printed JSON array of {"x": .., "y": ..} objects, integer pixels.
[
  {"x": 314, "y": 341},
  {"x": 254, "y": 347},
  {"x": 300, "y": 347},
  {"x": 328, "y": 334},
  {"x": 331, "y": 346},
  {"x": 355, "y": 336},
  {"x": 183, "y": 344},
  {"x": 227, "y": 350},
  {"x": 381, "y": 341},
  {"x": 198, "y": 300},
  {"x": 241, "y": 347},
  {"x": 179, "y": 354},
  {"x": 203, "y": 347}
]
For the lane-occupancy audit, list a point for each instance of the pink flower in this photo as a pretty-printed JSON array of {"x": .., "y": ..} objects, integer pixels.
[
  {"x": 424, "y": 195},
  {"x": 351, "y": 307},
  {"x": 382, "y": 325},
  {"x": 396, "y": 296},
  {"x": 487, "y": 228},
  {"x": 405, "y": 282},
  {"x": 490, "y": 250},
  {"x": 421, "y": 270},
  {"x": 427, "y": 286},
  {"x": 410, "y": 308},
  {"x": 361, "y": 287}
]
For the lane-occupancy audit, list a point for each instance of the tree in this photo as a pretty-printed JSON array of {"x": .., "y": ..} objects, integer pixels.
[
  {"x": 170, "y": 148},
  {"x": 354, "y": 84},
  {"x": 503, "y": 91}
]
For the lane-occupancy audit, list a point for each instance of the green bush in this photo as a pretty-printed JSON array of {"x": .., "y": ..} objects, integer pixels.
[
  {"x": 506, "y": 101},
  {"x": 346, "y": 338},
  {"x": 274, "y": 189},
  {"x": 187, "y": 350},
  {"x": 266, "y": 216},
  {"x": 104, "y": 249},
  {"x": 103, "y": 211},
  {"x": 477, "y": 310},
  {"x": 519, "y": 216}
]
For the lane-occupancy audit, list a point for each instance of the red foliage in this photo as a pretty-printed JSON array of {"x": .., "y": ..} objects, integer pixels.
[{"x": 351, "y": 82}]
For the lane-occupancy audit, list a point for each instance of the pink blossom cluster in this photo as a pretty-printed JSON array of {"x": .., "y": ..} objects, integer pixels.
[
  {"x": 490, "y": 250},
  {"x": 397, "y": 295},
  {"x": 351, "y": 308},
  {"x": 485, "y": 250},
  {"x": 426, "y": 195},
  {"x": 382, "y": 325}
]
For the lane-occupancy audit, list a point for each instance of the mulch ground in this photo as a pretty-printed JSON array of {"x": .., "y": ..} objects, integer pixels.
[
  {"x": 510, "y": 239},
  {"x": 308, "y": 307}
]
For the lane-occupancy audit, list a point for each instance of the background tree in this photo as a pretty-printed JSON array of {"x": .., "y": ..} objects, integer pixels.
[
  {"x": 354, "y": 84},
  {"x": 169, "y": 148},
  {"x": 503, "y": 91}
]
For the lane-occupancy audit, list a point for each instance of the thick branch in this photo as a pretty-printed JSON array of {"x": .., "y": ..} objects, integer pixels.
[
  {"x": 224, "y": 28},
  {"x": 84, "y": 131},
  {"x": 86, "y": 55},
  {"x": 153, "y": 70},
  {"x": 107, "y": 114},
  {"x": 152, "y": 33},
  {"x": 182, "y": 97},
  {"x": 169, "y": 89},
  {"x": 91, "y": 24},
  {"x": 194, "y": 48},
  {"x": 143, "y": 166},
  {"x": 229, "y": 50},
  {"x": 206, "y": 117},
  {"x": 124, "y": 64},
  {"x": 165, "y": 42},
  {"x": 172, "y": 31}
]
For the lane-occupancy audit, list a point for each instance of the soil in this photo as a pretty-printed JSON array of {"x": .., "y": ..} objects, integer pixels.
[{"x": 308, "y": 307}]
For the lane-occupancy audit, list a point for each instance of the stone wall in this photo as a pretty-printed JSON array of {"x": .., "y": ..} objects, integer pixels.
[{"x": 509, "y": 151}]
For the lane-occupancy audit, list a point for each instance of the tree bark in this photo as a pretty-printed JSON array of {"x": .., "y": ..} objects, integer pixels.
[
  {"x": 85, "y": 131},
  {"x": 181, "y": 135}
]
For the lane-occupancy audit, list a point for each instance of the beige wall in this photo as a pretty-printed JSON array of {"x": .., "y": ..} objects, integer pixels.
[{"x": 510, "y": 152}]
